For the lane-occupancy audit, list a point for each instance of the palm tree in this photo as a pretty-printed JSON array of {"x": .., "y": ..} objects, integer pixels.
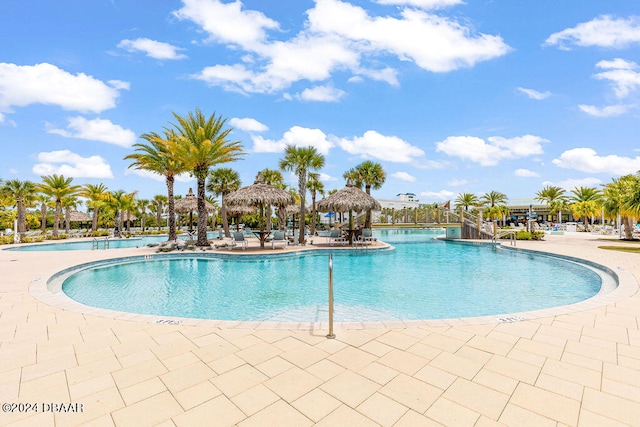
[
  {"x": 95, "y": 195},
  {"x": 372, "y": 175},
  {"x": 21, "y": 194},
  {"x": 57, "y": 187},
  {"x": 157, "y": 204},
  {"x": 617, "y": 196},
  {"x": 116, "y": 201},
  {"x": 301, "y": 160},
  {"x": 44, "y": 200},
  {"x": 128, "y": 206},
  {"x": 465, "y": 200},
  {"x": 493, "y": 198},
  {"x": 223, "y": 181},
  {"x": 204, "y": 143},
  {"x": 158, "y": 156},
  {"x": 315, "y": 186},
  {"x": 142, "y": 205},
  {"x": 585, "y": 203},
  {"x": 275, "y": 178},
  {"x": 551, "y": 195}
]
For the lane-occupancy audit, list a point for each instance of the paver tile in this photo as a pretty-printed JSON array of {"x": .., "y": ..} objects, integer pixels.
[
  {"x": 143, "y": 390},
  {"x": 403, "y": 362},
  {"x": 196, "y": 395},
  {"x": 376, "y": 348},
  {"x": 138, "y": 373},
  {"x": 346, "y": 416},
  {"x": 561, "y": 386},
  {"x": 274, "y": 366},
  {"x": 449, "y": 413},
  {"x": 610, "y": 406},
  {"x": 573, "y": 373},
  {"x": 238, "y": 380},
  {"x": 546, "y": 403},
  {"x": 382, "y": 410},
  {"x": 456, "y": 365},
  {"x": 476, "y": 397},
  {"x": 519, "y": 417},
  {"x": 379, "y": 373},
  {"x": 414, "y": 419},
  {"x": 292, "y": 384},
  {"x": 435, "y": 376},
  {"x": 187, "y": 376},
  {"x": 352, "y": 358},
  {"x": 316, "y": 404},
  {"x": 220, "y": 409},
  {"x": 255, "y": 399},
  {"x": 397, "y": 339},
  {"x": 325, "y": 369},
  {"x": 411, "y": 392},
  {"x": 496, "y": 381},
  {"x": 304, "y": 355},
  {"x": 350, "y": 388},
  {"x": 278, "y": 414},
  {"x": 258, "y": 353},
  {"x": 514, "y": 369}
]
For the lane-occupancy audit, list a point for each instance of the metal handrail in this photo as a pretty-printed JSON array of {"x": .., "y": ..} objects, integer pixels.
[
  {"x": 331, "y": 335},
  {"x": 503, "y": 233}
]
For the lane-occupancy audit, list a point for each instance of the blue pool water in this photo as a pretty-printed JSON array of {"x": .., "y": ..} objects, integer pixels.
[
  {"x": 87, "y": 244},
  {"x": 422, "y": 278}
]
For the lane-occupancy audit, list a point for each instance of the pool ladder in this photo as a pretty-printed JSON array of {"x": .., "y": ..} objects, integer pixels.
[{"x": 95, "y": 244}]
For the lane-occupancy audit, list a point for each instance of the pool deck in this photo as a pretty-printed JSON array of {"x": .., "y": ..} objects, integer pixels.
[{"x": 575, "y": 365}]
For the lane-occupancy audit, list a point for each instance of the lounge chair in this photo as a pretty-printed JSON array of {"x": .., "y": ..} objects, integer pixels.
[
  {"x": 238, "y": 239},
  {"x": 335, "y": 236},
  {"x": 278, "y": 237},
  {"x": 366, "y": 236}
]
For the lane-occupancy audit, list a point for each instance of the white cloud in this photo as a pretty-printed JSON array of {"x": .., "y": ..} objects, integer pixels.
[
  {"x": 326, "y": 178},
  {"x": 457, "y": 182},
  {"x": 97, "y": 130},
  {"x": 526, "y": 173},
  {"x": 423, "y": 4},
  {"x": 571, "y": 183},
  {"x": 493, "y": 151},
  {"x": 621, "y": 76},
  {"x": 375, "y": 145},
  {"x": 337, "y": 36},
  {"x": 69, "y": 164},
  {"x": 248, "y": 125},
  {"x": 47, "y": 84},
  {"x": 603, "y": 31},
  {"x": 152, "y": 48},
  {"x": 534, "y": 94},
  {"x": 608, "y": 111},
  {"x": 438, "y": 195},
  {"x": 404, "y": 176},
  {"x": 297, "y": 136},
  {"x": 322, "y": 94},
  {"x": 587, "y": 160}
]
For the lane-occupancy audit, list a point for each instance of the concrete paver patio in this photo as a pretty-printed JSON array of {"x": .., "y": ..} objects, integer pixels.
[{"x": 564, "y": 367}]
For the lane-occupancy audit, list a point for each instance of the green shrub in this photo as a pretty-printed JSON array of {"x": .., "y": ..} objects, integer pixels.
[
  {"x": 33, "y": 239},
  {"x": 538, "y": 235},
  {"x": 61, "y": 236},
  {"x": 524, "y": 235},
  {"x": 99, "y": 233}
]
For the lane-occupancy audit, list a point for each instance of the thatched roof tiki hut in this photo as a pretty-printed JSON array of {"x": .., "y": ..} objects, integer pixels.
[
  {"x": 189, "y": 204},
  {"x": 350, "y": 198},
  {"x": 259, "y": 195}
]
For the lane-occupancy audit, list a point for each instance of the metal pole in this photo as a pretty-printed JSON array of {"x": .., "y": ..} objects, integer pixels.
[{"x": 331, "y": 335}]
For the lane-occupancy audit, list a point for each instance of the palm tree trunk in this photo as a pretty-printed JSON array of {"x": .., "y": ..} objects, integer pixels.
[
  {"x": 313, "y": 213},
  {"x": 116, "y": 223},
  {"x": 225, "y": 220},
  {"x": 43, "y": 217},
  {"x": 171, "y": 208},
  {"x": 56, "y": 219},
  {"x": 367, "y": 221},
  {"x": 302, "y": 188},
  {"x": 94, "y": 220},
  {"x": 202, "y": 214},
  {"x": 22, "y": 216},
  {"x": 67, "y": 217}
]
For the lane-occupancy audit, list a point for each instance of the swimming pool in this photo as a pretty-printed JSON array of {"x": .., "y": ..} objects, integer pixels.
[
  {"x": 422, "y": 278},
  {"x": 132, "y": 242}
]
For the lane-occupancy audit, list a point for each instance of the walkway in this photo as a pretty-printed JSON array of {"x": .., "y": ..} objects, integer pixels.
[{"x": 580, "y": 368}]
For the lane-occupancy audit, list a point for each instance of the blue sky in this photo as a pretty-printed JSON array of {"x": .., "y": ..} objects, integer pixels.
[{"x": 449, "y": 96}]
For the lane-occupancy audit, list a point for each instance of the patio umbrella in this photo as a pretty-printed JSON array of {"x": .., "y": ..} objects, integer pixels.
[
  {"x": 350, "y": 198},
  {"x": 259, "y": 195},
  {"x": 189, "y": 203}
]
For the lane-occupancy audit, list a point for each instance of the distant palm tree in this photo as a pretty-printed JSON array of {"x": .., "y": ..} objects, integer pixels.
[
  {"x": 57, "y": 187},
  {"x": 585, "y": 203},
  {"x": 142, "y": 205},
  {"x": 301, "y": 160},
  {"x": 618, "y": 198},
  {"x": 118, "y": 201},
  {"x": 223, "y": 181},
  {"x": 494, "y": 198},
  {"x": 95, "y": 195},
  {"x": 315, "y": 186},
  {"x": 371, "y": 175},
  {"x": 21, "y": 194},
  {"x": 552, "y": 195},
  {"x": 466, "y": 200},
  {"x": 128, "y": 206},
  {"x": 203, "y": 143},
  {"x": 158, "y": 156},
  {"x": 44, "y": 200},
  {"x": 275, "y": 178},
  {"x": 157, "y": 205}
]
